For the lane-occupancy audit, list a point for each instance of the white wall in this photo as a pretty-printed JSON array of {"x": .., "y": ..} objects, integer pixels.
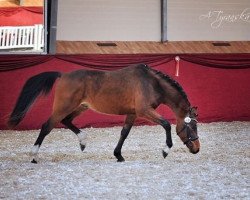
[
  {"x": 109, "y": 20},
  {"x": 190, "y": 20}
]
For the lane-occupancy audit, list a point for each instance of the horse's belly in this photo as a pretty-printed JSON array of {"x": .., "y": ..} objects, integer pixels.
[{"x": 109, "y": 106}]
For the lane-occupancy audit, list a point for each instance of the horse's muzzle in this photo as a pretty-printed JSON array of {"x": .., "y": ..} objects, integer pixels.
[
  {"x": 194, "y": 152},
  {"x": 194, "y": 146}
]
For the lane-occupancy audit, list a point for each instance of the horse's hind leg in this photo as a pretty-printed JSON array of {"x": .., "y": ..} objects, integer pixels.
[
  {"x": 153, "y": 116},
  {"x": 124, "y": 133},
  {"x": 67, "y": 121},
  {"x": 60, "y": 111},
  {"x": 45, "y": 130}
]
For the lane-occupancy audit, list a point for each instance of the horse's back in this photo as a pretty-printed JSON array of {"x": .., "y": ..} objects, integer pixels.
[{"x": 131, "y": 71}]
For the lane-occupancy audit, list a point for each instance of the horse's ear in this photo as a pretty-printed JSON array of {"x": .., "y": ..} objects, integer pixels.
[
  {"x": 195, "y": 108},
  {"x": 194, "y": 111}
]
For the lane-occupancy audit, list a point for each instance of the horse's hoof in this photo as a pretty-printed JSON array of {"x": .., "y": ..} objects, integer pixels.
[
  {"x": 82, "y": 147},
  {"x": 120, "y": 160},
  {"x": 165, "y": 154},
  {"x": 34, "y": 161}
]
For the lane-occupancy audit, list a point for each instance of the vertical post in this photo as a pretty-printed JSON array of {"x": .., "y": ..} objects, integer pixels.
[
  {"x": 163, "y": 20},
  {"x": 23, "y": 36},
  {"x": 12, "y": 37},
  {"x": 16, "y": 37},
  {"x": 40, "y": 37},
  {"x": 36, "y": 36},
  {"x": 31, "y": 35},
  {"x": 19, "y": 37},
  {"x": 8, "y": 38},
  {"x": 51, "y": 24},
  {"x": 4, "y": 37},
  {"x": 26, "y": 36}
]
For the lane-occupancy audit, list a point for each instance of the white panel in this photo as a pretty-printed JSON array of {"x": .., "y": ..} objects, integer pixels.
[
  {"x": 214, "y": 20},
  {"x": 109, "y": 20}
]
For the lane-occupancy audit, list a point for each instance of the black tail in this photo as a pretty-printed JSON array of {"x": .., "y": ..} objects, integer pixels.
[{"x": 36, "y": 85}]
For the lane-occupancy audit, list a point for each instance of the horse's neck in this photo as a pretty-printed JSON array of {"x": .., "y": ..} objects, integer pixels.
[
  {"x": 180, "y": 109},
  {"x": 178, "y": 104}
]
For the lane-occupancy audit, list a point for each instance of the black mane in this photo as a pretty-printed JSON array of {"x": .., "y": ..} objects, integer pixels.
[{"x": 172, "y": 82}]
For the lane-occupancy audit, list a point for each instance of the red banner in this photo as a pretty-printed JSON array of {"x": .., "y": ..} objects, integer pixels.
[{"x": 221, "y": 94}]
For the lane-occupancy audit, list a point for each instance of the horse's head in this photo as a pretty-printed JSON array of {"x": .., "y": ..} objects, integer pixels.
[{"x": 186, "y": 129}]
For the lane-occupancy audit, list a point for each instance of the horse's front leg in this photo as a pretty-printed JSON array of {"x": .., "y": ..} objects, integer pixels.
[
  {"x": 124, "y": 133},
  {"x": 169, "y": 143},
  {"x": 152, "y": 115}
]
